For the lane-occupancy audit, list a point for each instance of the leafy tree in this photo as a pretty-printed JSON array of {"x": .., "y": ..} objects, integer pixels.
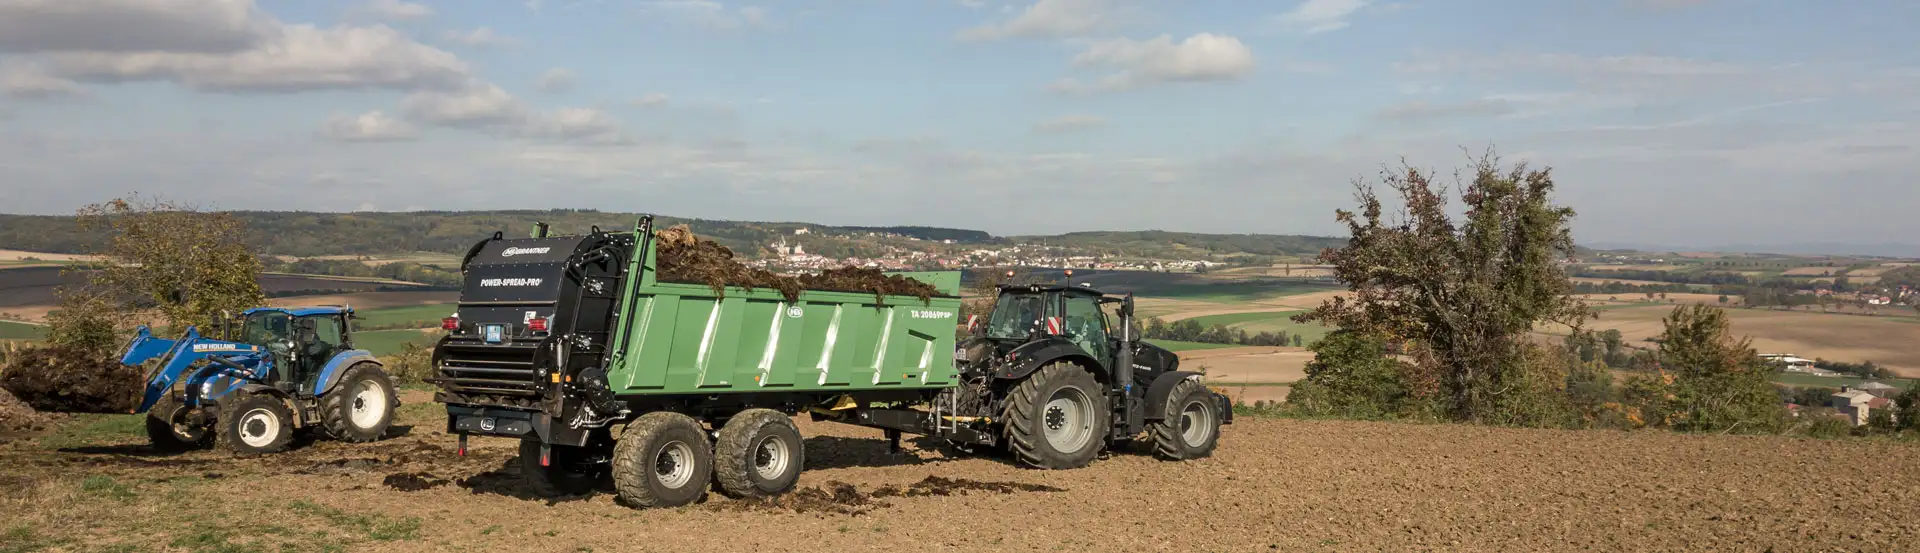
[
  {"x": 1908, "y": 403},
  {"x": 1466, "y": 293},
  {"x": 1352, "y": 376},
  {"x": 1296, "y": 340},
  {"x": 178, "y": 263},
  {"x": 1719, "y": 382},
  {"x": 1156, "y": 328}
]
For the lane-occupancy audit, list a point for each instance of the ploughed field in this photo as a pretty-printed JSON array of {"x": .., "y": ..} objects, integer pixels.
[{"x": 1285, "y": 485}]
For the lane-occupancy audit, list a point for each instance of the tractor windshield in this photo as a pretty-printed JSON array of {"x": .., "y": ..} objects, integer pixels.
[
  {"x": 1014, "y": 315},
  {"x": 266, "y": 328}
]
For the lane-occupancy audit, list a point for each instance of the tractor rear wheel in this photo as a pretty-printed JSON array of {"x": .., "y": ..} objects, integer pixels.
[
  {"x": 360, "y": 406},
  {"x": 252, "y": 424},
  {"x": 1191, "y": 428},
  {"x": 1057, "y": 418},
  {"x": 170, "y": 430},
  {"x": 759, "y": 454},
  {"x": 568, "y": 470},
  {"x": 663, "y": 459}
]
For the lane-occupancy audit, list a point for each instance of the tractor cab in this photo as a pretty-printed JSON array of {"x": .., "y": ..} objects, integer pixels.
[
  {"x": 1094, "y": 322},
  {"x": 302, "y": 339}
]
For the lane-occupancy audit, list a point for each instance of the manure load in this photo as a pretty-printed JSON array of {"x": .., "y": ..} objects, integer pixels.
[{"x": 657, "y": 361}]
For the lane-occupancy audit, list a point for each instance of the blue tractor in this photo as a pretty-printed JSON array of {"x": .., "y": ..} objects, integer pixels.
[{"x": 267, "y": 374}]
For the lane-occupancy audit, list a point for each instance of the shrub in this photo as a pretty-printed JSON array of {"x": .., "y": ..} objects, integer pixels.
[{"x": 1352, "y": 376}]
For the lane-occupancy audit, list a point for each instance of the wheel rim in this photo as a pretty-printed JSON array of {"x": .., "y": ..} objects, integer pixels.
[
  {"x": 674, "y": 465},
  {"x": 259, "y": 427},
  {"x": 770, "y": 458},
  {"x": 369, "y": 405},
  {"x": 1196, "y": 423},
  {"x": 1068, "y": 419}
]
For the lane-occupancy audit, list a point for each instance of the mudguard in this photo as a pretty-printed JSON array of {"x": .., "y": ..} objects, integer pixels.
[
  {"x": 1155, "y": 406},
  {"x": 1031, "y": 356},
  {"x": 338, "y": 366}
]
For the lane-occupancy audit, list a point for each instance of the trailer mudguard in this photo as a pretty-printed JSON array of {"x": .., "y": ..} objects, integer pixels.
[
  {"x": 338, "y": 366},
  {"x": 1155, "y": 407},
  {"x": 1033, "y": 355}
]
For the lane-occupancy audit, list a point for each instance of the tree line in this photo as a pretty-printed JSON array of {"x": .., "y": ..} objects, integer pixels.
[{"x": 1189, "y": 330}]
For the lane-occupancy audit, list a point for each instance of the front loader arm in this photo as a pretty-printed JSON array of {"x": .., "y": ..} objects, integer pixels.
[
  {"x": 144, "y": 347},
  {"x": 175, "y": 360}
]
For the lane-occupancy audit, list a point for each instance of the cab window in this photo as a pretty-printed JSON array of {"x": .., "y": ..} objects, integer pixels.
[
  {"x": 1086, "y": 325},
  {"x": 1014, "y": 316},
  {"x": 267, "y": 328}
]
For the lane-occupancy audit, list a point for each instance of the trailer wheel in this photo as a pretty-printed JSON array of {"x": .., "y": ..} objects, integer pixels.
[
  {"x": 759, "y": 454},
  {"x": 168, "y": 430},
  {"x": 567, "y": 472},
  {"x": 1191, "y": 428},
  {"x": 252, "y": 424},
  {"x": 663, "y": 459},
  {"x": 360, "y": 407},
  {"x": 1057, "y": 418}
]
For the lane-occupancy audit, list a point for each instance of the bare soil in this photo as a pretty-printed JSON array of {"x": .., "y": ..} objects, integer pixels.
[
  {"x": 1284, "y": 485},
  {"x": 65, "y": 380},
  {"x": 17, "y": 418}
]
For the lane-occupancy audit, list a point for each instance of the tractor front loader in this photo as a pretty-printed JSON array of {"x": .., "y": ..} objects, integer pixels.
[{"x": 277, "y": 372}]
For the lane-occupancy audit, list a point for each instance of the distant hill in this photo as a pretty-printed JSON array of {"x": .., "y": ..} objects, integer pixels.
[{"x": 312, "y": 234}]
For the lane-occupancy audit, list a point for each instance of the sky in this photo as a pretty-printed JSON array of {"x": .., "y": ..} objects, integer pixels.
[{"x": 1664, "y": 121}]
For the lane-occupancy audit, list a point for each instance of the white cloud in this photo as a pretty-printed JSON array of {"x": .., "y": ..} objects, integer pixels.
[
  {"x": 708, "y": 13},
  {"x": 1050, "y": 19},
  {"x": 558, "y": 79},
  {"x": 483, "y": 37},
  {"x": 30, "y": 82},
  {"x": 200, "y": 26},
  {"x": 1201, "y": 57},
  {"x": 1067, "y": 123},
  {"x": 576, "y": 124},
  {"x": 650, "y": 100},
  {"x": 392, "y": 10},
  {"x": 372, "y": 126},
  {"x": 1319, "y": 16},
  {"x": 1421, "y": 111},
  {"x": 482, "y": 105}
]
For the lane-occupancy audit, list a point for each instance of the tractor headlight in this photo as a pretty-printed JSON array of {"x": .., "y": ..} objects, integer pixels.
[{"x": 206, "y": 389}]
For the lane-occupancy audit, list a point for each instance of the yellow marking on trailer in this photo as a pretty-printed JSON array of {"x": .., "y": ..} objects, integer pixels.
[{"x": 845, "y": 402}]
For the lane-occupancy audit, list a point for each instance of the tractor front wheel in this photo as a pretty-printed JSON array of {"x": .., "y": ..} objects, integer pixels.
[
  {"x": 171, "y": 431},
  {"x": 1191, "y": 428},
  {"x": 360, "y": 407},
  {"x": 252, "y": 424}
]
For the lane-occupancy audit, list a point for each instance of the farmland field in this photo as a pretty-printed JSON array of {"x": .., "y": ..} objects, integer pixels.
[
  {"x": 390, "y": 342},
  {"x": 1180, "y": 346},
  {"x": 10, "y": 330},
  {"x": 1273, "y": 485},
  {"x": 1852, "y": 338},
  {"x": 418, "y": 316},
  {"x": 29, "y": 291},
  {"x": 1807, "y": 380}
]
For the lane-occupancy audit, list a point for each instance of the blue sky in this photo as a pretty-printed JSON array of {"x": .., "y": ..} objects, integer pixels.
[{"x": 1687, "y": 122}]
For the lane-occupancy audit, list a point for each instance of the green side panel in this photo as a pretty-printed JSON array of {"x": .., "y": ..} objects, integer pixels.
[
  {"x": 947, "y": 282},
  {"x": 681, "y": 339}
]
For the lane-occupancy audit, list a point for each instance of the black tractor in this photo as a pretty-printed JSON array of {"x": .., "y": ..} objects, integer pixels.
[{"x": 1060, "y": 374}]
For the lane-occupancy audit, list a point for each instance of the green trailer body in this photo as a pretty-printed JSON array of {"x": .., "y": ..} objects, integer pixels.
[{"x": 675, "y": 338}]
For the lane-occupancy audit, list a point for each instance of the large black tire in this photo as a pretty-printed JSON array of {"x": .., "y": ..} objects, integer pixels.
[
  {"x": 254, "y": 424},
  {"x": 564, "y": 475},
  {"x": 360, "y": 406},
  {"x": 1057, "y": 418},
  {"x": 170, "y": 433},
  {"x": 663, "y": 459},
  {"x": 758, "y": 454},
  {"x": 1191, "y": 428}
]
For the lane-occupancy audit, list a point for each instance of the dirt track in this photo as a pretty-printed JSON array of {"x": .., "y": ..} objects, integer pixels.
[{"x": 1274, "y": 485}]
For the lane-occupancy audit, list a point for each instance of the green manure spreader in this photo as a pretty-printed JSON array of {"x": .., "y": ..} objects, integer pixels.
[{"x": 573, "y": 345}]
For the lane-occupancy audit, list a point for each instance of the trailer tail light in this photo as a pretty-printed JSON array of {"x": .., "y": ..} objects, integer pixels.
[
  {"x": 537, "y": 325},
  {"x": 450, "y": 323}
]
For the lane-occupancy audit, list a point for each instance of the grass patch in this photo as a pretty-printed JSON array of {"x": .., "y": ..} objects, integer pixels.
[
  {"x": 96, "y": 429},
  {"x": 23, "y": 539},
  {"x": 411, "y": 316},
  {"x": 373, "y": 526},
  {"x": 14, "y": 330},
  {"x": 390, "y": 342},
  {"x": 1179, "y": 346},
  {"x": 1230, "y": 292},
  {"x": 1231, "y": 319},
  {"x": 1610, "y": 307},
  {"x": 1835, "y": 382},
  {"x": 101, "y": 485}
]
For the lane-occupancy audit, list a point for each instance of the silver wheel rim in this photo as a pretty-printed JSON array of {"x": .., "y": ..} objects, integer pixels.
[
  {"x": 369, "y": 404},
  {"x": 674, "y": 465},
  {"x": 259, "y": 427},
  {"x": 1196, "y": 423},
  {"x": 1068, "y": 419},
  {"x": 770, "y": 458}
]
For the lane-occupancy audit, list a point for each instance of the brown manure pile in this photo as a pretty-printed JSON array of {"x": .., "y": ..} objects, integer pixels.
[
  {"x": 55, "y": 379},
  {"x": 683, "y": 257},
  {"x": 16, "y": 417}
]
